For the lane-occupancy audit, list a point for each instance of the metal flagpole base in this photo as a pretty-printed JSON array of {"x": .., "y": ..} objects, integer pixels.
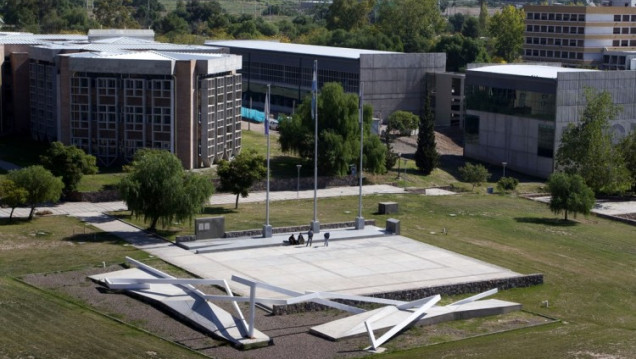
[
  {"x": 359, "y": 223},
  {"x": 267, "y": 231},
  {"x": 315, "y": 226}
]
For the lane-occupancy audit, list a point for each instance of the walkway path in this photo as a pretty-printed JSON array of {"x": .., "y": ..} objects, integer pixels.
[{"x": 71, "y": 208}]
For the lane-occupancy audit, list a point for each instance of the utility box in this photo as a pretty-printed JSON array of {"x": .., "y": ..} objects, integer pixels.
[
  {"x": 393, "y": 226},
  {"x": 387, "y": 207},
  {"x": 210, "y": 227}
]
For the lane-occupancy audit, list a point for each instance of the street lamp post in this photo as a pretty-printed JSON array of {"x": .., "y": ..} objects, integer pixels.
[
  {"x": 298, "y": 182},
  {"x": 504, "y": 168}
]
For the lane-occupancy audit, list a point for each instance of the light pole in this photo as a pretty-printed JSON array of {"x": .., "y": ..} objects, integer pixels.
[
  {"x": 504, "y": 168},
  {"x": 399, "y": 164},
  {"x": 298, "y": 182}
]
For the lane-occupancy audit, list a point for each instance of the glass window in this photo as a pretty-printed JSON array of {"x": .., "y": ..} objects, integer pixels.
[
  {"x": 471, "y": 129},
  {"x": 545, "y": 140}
]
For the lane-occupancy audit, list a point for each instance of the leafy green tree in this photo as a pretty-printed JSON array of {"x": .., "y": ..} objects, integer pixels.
[
  {"x": 403, "y": 122},
  {"x": 586, "y": 148},
  {"x": 470, "y": 28},
  {"x": 461, "y": 50},
  {"x": 474, "y": 174},
  {"x": 238, "y": 175},
  {"x": 414, "y": 22},
  {"x": 40, "y": 184},
  {"x": 456, "y": 22},
  {"x": 569, "y": 193},
  {"x": 68, "y": 162},
  {"x": 11, "y": 195},
  {"x": 482, "y": 21},
  {"x": 339, "y": 135},
  {"x": 147, "y": 12},
  {"x": 507, "y": 27},
  {"x": 349, "y": 14},
  {"x": 426, "y": 156},
  {"x": 158, "y": 188},
  {"x": 627, "y": 147},
  {"x": 114, "y": 13},
  {"x": 506, "y": 184}
]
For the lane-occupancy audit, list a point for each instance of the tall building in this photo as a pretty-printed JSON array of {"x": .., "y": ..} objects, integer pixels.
[
  {"x": 578, "y": 35},
  {"x": 115, "y": 91},
  {"x": 516, "y": 113},
  {"x": 392, "y": 80}
]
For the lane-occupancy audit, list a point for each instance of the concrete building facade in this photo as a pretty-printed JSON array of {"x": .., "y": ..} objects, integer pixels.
[
  {"x": 517, "y": 113},
  {"x": 115, "y": 95},
  {"x": 391, "y": 81},
  {"x": 578, "y": 35}
]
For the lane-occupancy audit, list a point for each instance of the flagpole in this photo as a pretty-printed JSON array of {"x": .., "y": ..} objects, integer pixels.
[
  {"x": 315, "y": 225},
  {"x": 267, "y": 228},
  {"x": 360, "y": 220}
]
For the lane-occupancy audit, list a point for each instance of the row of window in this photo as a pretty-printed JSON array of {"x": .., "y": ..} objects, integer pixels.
[
  {"x": 623, "y": 43},
  {"x": 570, "y": 55},
  {"x": 554, "y": 16},
  {"x": 624, "y": 30},
  {"x": 549, "y": 41},
  {"x": 556, "y": 29},
  {"x": 625, "y": 18}
]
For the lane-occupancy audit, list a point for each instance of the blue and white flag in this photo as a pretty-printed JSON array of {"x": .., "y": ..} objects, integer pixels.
[
  {"x": 267, "y": 112},
  {"x": 314, "y": 90}
]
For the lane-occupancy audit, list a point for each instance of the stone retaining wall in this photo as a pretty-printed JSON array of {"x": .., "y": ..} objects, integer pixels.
[
  {"x": 413, "y": 294},
  {"x": 293, "y": 229}
]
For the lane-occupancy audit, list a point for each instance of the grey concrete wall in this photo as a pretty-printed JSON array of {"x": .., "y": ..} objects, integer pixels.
[
  {"x": 511, "y": 139},
  {"x": 397, "y": 81}
]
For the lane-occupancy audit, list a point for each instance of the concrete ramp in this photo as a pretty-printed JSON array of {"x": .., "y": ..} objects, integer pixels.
[
  {"x": 188, "y": 305},
  {"x": 391, "y": 316}
]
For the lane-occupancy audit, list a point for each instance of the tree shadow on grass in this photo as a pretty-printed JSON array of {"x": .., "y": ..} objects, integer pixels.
[
  {"x": 556, "y": 222},
  {"x": 217, "y": 211},
  {"x": 94, "y": 237},
  {"x": 15, "y": 220}
]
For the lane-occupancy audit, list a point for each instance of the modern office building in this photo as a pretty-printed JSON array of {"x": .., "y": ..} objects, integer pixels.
[
  {"x": 516, "y": 113},
  {"x": 391, "y": 80},
  {"x": 578, "y": 35},
  {"x": 113, "y": 92}
]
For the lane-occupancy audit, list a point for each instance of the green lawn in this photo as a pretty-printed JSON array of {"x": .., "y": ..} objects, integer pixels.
[
  {"x": 39, "y": 324},
  {"x": 588, "y": 265}
]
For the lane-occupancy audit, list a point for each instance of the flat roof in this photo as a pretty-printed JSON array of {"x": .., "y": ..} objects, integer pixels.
[
  {"x": 315, "y": 50},
  {"x": 541, "y": 71}
]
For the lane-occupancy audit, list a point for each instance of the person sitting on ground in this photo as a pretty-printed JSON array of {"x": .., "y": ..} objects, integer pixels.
[
  {"x": 292, "y": 240},
  {"x": 301, "y": 239}
]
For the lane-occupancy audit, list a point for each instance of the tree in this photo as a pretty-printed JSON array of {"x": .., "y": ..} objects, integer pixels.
[
  {"x": 426, "y": 156},
  {"x": 461, "y": 50},
  {"x": 586, "y": 148},
  {"x": 68, "y": 162},
  {"x": 627, "y": 147},
  {"x": 470, "y": 28},
  {"x": 414, "y": 22},
  {"x": 403, "y": 122},
  {"x": 474, "y": 174},
  {"x": 507, "y": 184},
  {"x": 339, "y": 133},
  {"x": 349, "y": 14},
  {"x": 569, "y": 193},
  {"x": 39, "y": 183},
  {"x": 11, "y": 195},
  {"x": 239, "y": 175},
  {"x": 158, "y": 188},
  {"x": 483, "y": 19},
  {"x": 114, "y": 13},
  {"x": 507, "y": 27}
]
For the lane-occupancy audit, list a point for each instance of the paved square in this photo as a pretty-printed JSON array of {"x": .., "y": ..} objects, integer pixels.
[{"x": 352, "y": 266}]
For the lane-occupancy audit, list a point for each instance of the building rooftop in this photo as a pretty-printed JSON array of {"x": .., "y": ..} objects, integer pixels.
[
  {"x": 541, "y": 71},
  {"x": 329, "y": 51}
]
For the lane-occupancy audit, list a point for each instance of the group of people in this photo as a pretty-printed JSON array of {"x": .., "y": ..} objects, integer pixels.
[{"x": 310, "y": 237}]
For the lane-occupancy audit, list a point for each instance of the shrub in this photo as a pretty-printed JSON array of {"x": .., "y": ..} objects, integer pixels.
[{"x": 506, "y": 184}]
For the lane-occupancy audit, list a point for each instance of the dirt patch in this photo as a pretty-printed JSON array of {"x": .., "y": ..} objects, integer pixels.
[{"x": 290, "y": 333}]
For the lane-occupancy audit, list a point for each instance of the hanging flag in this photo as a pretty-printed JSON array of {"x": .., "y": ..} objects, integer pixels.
[
  {"x": 314, "y": 90},
  {"x": 267, "y": 112}
]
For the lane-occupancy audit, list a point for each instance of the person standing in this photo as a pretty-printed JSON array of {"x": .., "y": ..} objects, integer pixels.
[
  {"x": 326, "y": 239},
  {"x": 310, "y": 237}
]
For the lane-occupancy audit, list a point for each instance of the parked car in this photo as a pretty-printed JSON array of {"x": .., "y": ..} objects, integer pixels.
[{"x": 273, "y": 124}]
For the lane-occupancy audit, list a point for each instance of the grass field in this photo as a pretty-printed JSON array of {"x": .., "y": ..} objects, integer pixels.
[
  {"x": 40, "y": 324},
  {"x": 588, "y": 264}
]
